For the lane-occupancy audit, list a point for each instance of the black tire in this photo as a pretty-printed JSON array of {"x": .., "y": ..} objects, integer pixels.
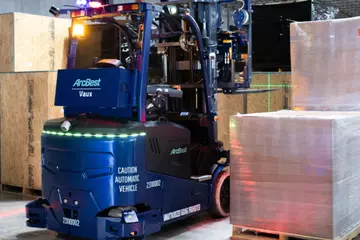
[
  {"x": 221, "y": 195},
  {"x": 137, "y": 238}
]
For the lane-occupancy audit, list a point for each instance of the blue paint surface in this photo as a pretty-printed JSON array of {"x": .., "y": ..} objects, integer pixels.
[
  {"x": 99, "y": 174},
  {"x": 104, "y": 88}
]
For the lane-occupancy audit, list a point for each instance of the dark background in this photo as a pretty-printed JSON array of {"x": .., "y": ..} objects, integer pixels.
[{"x": 271, "y": 34}]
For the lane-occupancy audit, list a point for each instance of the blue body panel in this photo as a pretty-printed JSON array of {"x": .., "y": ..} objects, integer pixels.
[
  {"x": 107, "y": 91},
  {"x": 104, "y": 88},
  {"x": 100, "y": 173}
]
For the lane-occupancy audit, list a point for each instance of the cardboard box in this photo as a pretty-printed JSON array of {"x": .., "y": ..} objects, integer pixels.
[
  {"x": 296, "y": 172},
  {"x": 33, "y": 43},
  {"x": 325, "y": 57}
]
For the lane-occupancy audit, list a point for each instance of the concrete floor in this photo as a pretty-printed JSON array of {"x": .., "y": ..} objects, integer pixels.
[{"x": 12, "y": 225}]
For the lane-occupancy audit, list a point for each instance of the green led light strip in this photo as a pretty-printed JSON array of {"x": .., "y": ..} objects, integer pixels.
[{"x": 89, "y": 135}]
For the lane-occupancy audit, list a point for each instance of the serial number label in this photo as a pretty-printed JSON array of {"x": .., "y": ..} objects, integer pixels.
[
  {"x": 71, "y": 222},
  {"x": 153, "y": 184}
]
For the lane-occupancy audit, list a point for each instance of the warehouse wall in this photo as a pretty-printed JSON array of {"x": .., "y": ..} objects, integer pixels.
[
  {"x": 343, "y": 8},
  {"x": 347, "y": 8},
  {"x": 39, "y": 7}
]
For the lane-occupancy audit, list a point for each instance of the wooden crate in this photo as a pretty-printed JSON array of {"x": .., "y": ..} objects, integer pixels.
[
  {"x": 21, "y": 190},
  {"x": 228, "y": 105},
  {"x": 245, "y": 233},
  {"x": 26, "y": 102},
  {"x": 261, "y": 102},
  {"x": 270, "y": 101},
  {"x": 32, "y": 43}
]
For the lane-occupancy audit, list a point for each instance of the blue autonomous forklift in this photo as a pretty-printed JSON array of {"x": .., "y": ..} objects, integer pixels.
[{"x": 137, "y": 147}]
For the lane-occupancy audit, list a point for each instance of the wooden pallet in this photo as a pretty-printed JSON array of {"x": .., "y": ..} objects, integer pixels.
[
  {"x": 246, "y": 233},
  {"x": 21, "y": 190}
]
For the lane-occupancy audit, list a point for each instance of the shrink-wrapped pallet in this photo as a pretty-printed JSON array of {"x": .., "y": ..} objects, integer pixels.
[
  {"x": 325, "y": 60},
  {"x": 296, "y": 172}
]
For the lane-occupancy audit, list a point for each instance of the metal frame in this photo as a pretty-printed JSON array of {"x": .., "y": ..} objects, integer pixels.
[{"x": 207, "y": 52}]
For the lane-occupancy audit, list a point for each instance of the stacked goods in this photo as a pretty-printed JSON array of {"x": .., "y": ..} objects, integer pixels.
[
  {"x": 325, "y": 59},
  {"x": 296, "y": 172},
  {"x": 32, "y": 48}
]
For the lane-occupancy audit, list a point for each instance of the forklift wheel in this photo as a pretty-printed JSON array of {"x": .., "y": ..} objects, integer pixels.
[
  {"x": 221, "y": 195},
  {"x": 137, "y": 238}
]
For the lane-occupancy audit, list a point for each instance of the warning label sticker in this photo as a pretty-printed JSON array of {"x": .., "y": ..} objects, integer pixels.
[{"x": 182, "y": 212}]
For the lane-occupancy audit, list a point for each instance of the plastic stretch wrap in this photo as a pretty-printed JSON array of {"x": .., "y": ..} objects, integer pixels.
[
  {"x": 325, "y": 60},
  {"x": 296, "y": 172}
]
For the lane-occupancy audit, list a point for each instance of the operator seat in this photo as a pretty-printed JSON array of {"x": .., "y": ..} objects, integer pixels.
[
  {"x": 152, "y": 90},
  {"x": 158, "y": 93},
  {"x": 157, "y": 103},
  {"x": 164, "y": 90},
  {"x": 109, "y": 63}
]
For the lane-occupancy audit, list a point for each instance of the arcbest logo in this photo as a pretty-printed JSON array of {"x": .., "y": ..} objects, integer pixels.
[
  {"x": 84, "y": 87},
  {"x": 177, "y": 151},
  {"x": 87, "y": 83}
]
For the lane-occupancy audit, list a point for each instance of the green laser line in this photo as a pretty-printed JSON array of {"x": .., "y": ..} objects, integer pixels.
[{"x": 269, "y": 84}]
